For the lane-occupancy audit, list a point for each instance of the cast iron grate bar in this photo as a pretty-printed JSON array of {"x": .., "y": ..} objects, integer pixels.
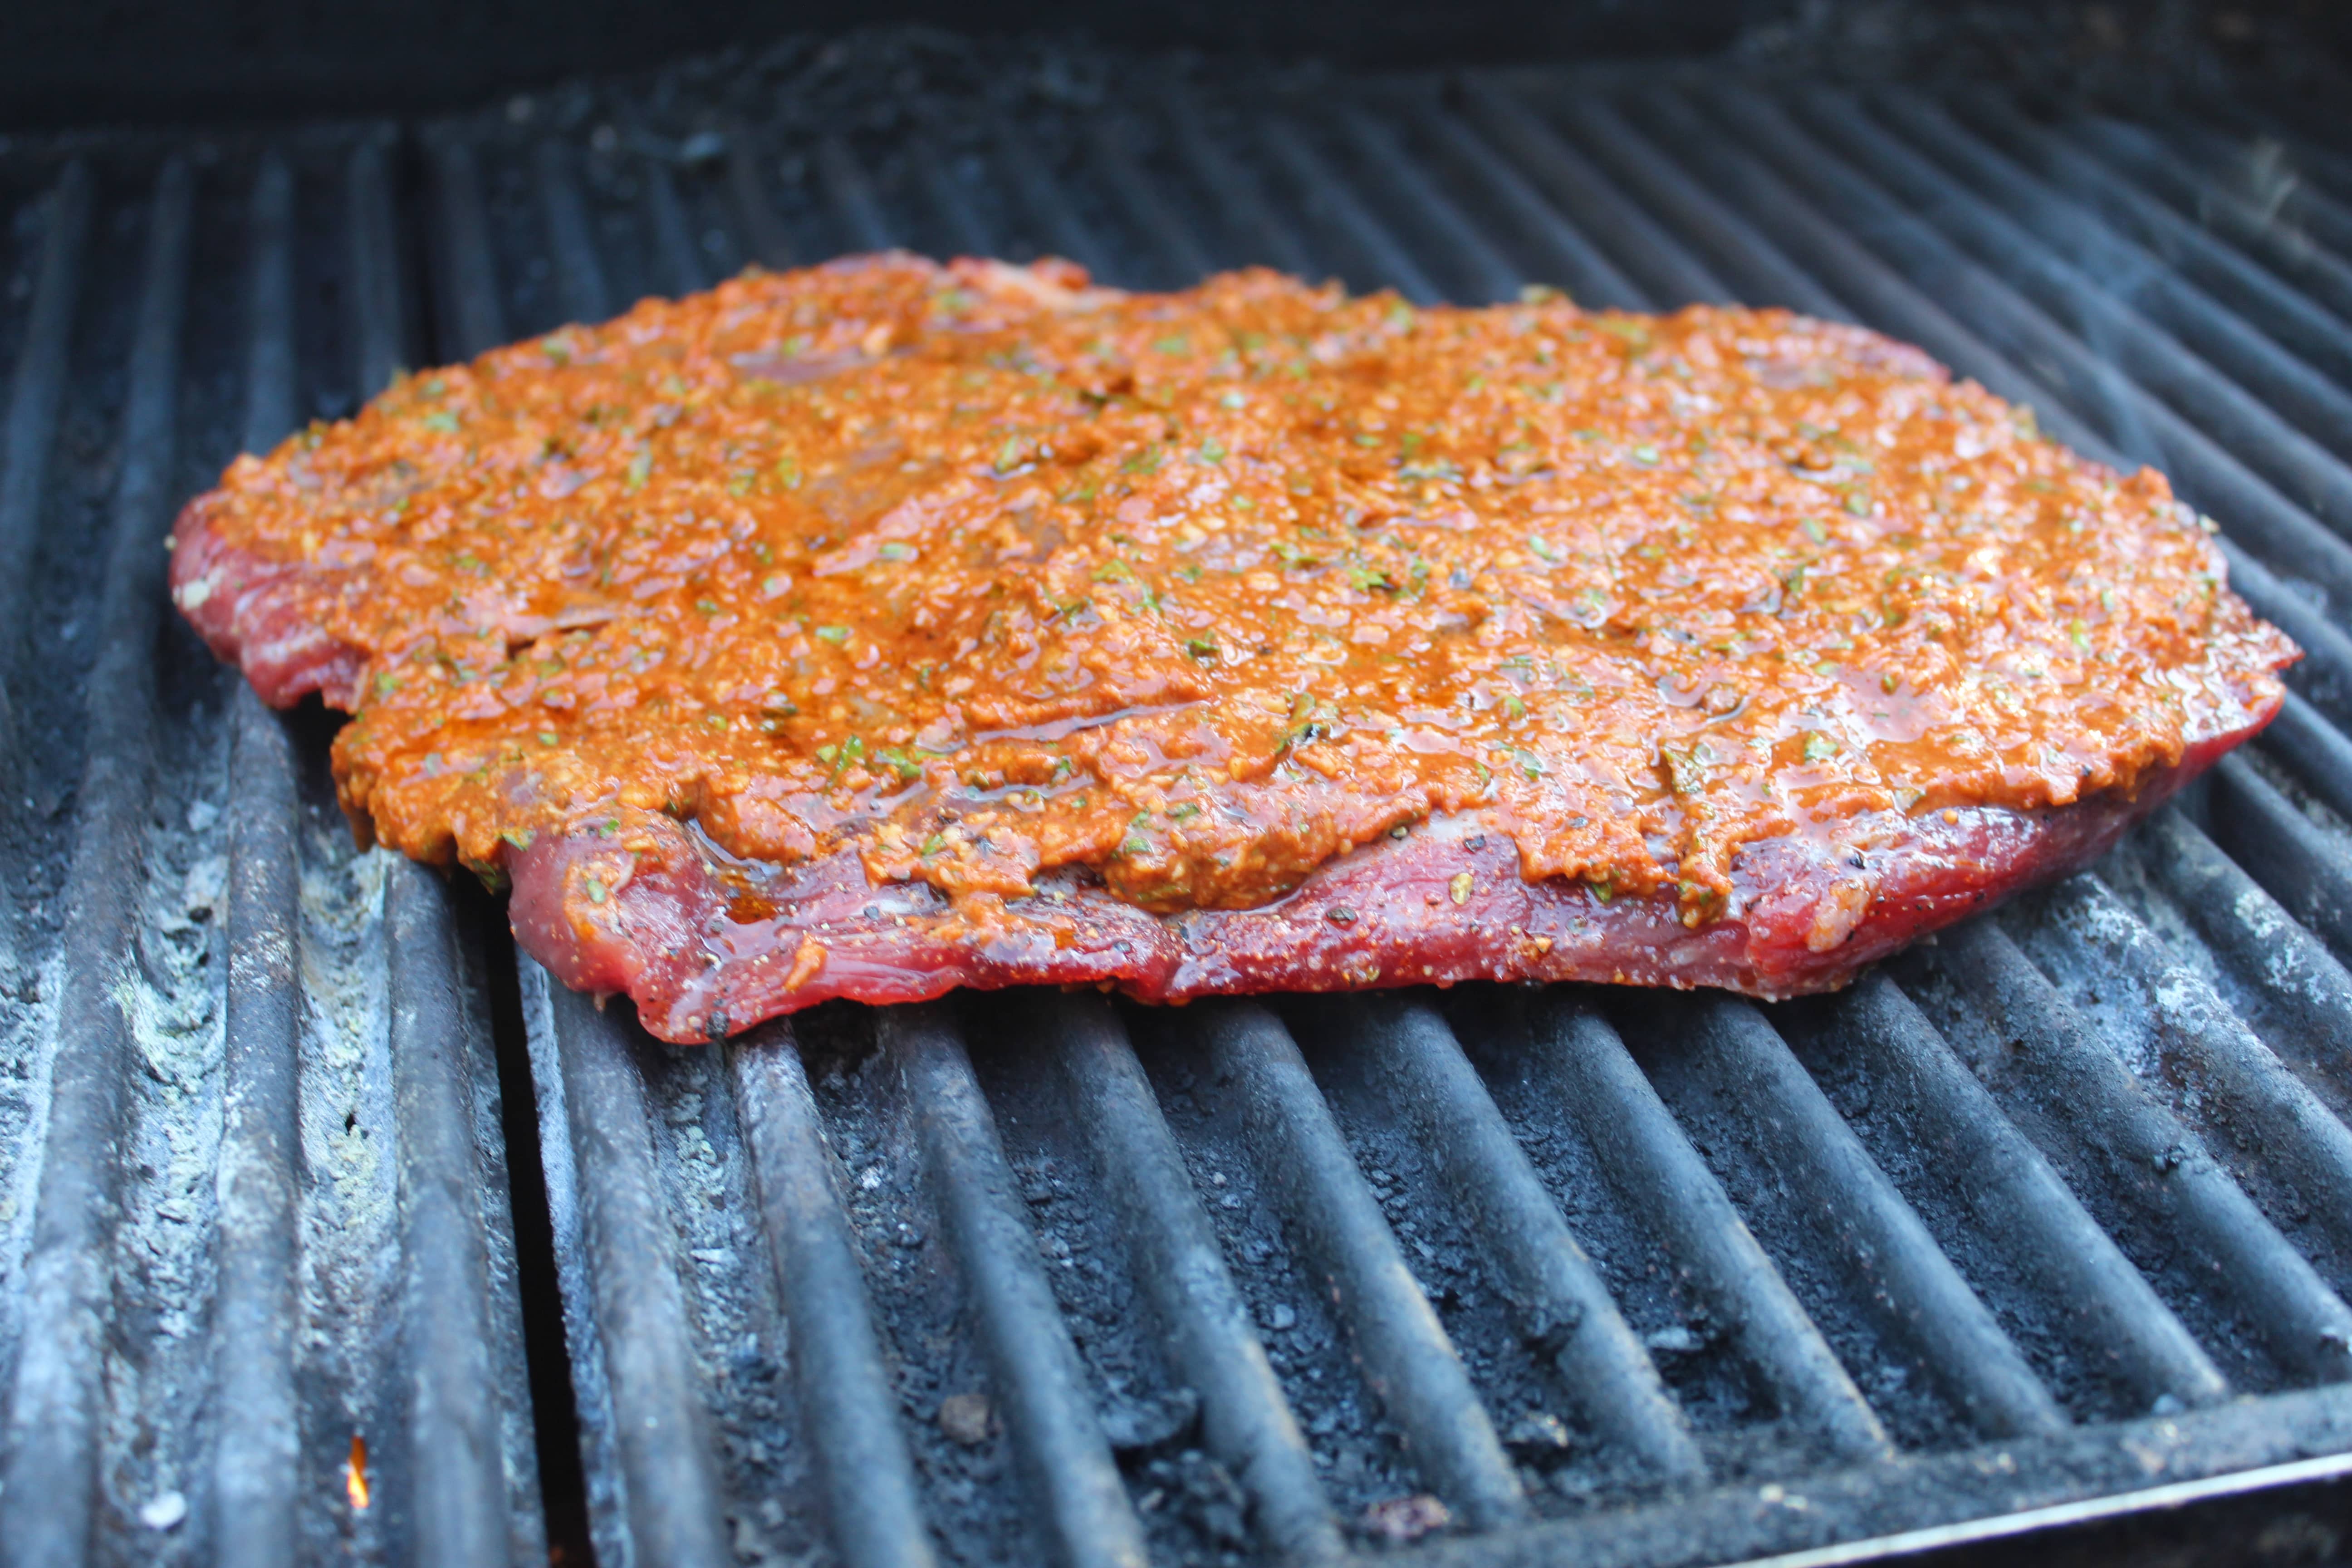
[
  {"x": 1766, "y": 275},
  {"x": 2136, "y": 156},
  {"x": 49, "y": 1480},
  {"x": 1549, "y": 1280},
  {"x": 1573, "y": 1056},
  {"x": 870, "y": 1490},
  {"x": 1562, "y": 249},
  {"x": 2302, "y": 390},
  {"x": 2295, "y": 988},
  {"x": 2242, "y": 285},
  {"x": 2095, "y": 1110},
  {"x": 257, "y": 1455},
  {"x": 1237, "y": 195},
  {"x": 35, "y": 392},
  {"x": 670, "y": 1495},
  {"x": 225, "y": 1284},
  {"x": 1345, "y": 1239},
  {"x": 1321, "y": 197},
  {"x": 1079, "y": 1499},
  {"x": 1175, "y": 1253},
  {"x": 2015, "y": 1195},
  {"x": 1721, "y": 1053},
  {"x": 1061, "y": 230},
  {"x": 1180, "y": 257},
  {"x": 1666, "y": 269},
  {"x": 967, "y": 236},
  {"x": 2241, "y": 1081},
  {"x": 2305, "y": 868},
  {"x": 770, "y": 245}
]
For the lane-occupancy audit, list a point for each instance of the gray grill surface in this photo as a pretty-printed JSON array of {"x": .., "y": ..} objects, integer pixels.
[{"x": 2051, "y": 1217}]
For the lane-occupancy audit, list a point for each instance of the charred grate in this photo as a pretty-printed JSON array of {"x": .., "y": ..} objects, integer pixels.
[
  {"x": 2055, "y": 1214},
  {"x": 259, "y": 1264}
]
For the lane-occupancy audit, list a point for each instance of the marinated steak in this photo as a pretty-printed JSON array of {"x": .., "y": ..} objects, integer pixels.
[{"x": 883, "y": 628}]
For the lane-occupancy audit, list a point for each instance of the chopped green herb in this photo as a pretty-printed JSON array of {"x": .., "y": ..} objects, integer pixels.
[
  {"x": 1686, "y": 768},
  {"x": 1635, "y": 334}
]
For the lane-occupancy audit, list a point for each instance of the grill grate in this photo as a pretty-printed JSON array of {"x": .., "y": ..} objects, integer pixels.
[
  {"x": 2050, "y": 1217},
  {"x": 257, "y": 1194}
]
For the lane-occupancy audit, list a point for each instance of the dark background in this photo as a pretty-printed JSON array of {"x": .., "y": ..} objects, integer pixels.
[{"x": 88, "y": 61}]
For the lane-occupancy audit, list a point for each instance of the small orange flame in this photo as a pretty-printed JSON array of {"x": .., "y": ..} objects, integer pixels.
[{"x": 355, "y": 1485}]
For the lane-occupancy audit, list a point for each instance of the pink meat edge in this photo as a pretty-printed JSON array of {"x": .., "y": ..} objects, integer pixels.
[
  {"x": 251, "y": 613},
  {"x": 1443, "y": 905}
]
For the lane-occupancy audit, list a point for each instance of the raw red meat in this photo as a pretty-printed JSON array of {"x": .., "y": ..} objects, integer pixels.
[{"x": 1446, "y": 903}]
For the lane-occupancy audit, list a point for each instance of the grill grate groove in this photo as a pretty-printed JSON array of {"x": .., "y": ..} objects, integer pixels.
[
  {"x": 254, "y": 1233},
  {"x": 51, "y": 1474}
]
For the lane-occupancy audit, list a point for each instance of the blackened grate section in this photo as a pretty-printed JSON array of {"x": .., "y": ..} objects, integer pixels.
[
  {"x": 2056, "y": 1210},
  {"x": 254, "y": 1192}
]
